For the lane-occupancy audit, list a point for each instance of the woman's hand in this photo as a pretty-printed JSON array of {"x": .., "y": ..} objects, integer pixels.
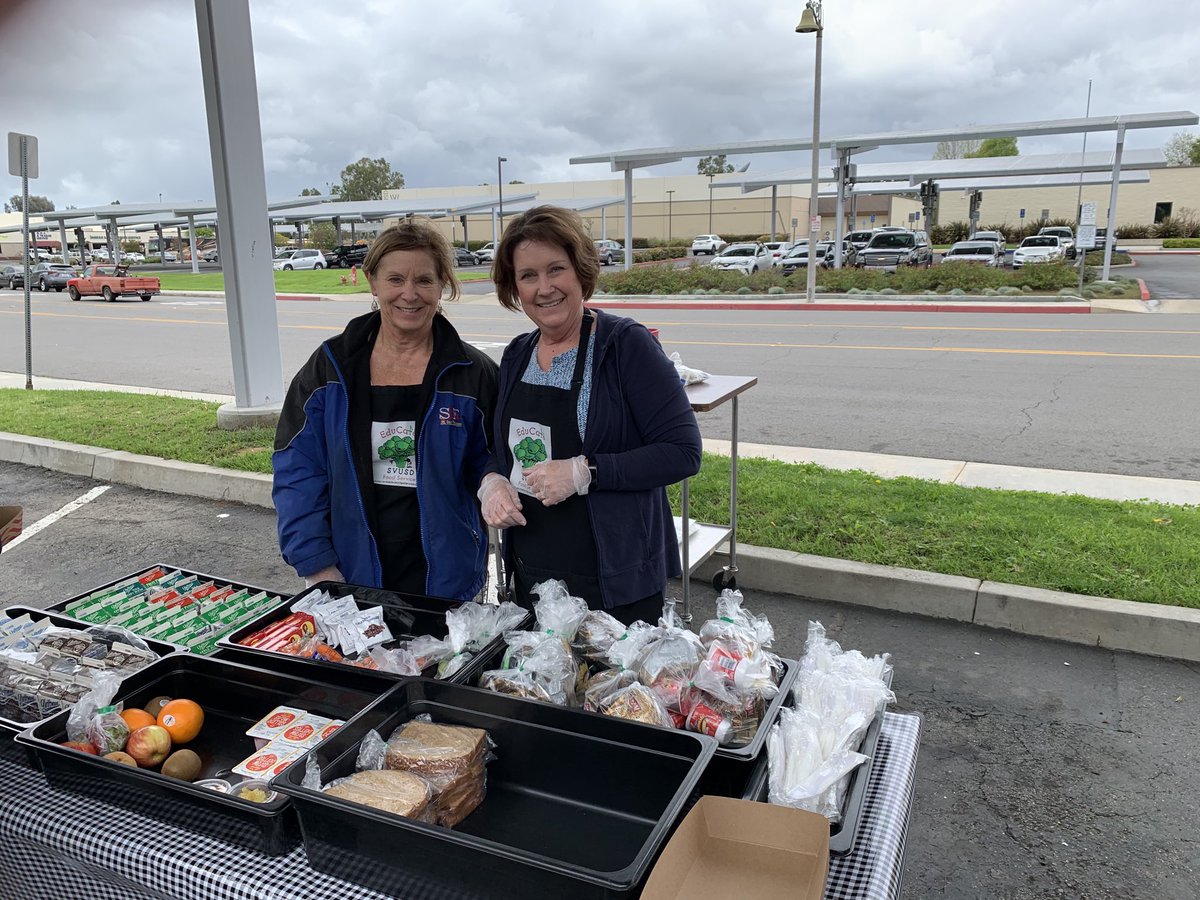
[
  {"x": 330, "y": 573},
  {"x": 554, "y": 480},
  {"x": 500, "y": 502}
]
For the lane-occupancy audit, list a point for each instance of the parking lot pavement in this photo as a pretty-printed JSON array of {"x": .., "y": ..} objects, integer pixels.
[{"x": 1046, "y": 769}]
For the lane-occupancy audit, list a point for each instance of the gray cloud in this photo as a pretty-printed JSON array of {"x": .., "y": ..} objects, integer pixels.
[{"x": 114, "y": 93}]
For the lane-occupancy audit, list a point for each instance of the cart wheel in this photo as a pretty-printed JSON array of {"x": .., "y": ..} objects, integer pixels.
[{"x": 723, "y": 580}]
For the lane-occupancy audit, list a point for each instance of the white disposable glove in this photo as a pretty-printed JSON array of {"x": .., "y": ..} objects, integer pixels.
[
  {"x": 329, "y": 573},
  {"x": 499, "y": 501},
  {"x": 554, "y": 480}
]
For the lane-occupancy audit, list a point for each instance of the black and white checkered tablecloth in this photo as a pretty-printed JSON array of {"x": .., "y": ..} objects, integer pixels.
[{"x": 60, "y": 846}]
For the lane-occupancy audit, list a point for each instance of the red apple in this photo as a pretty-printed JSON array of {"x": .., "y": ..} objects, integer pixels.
[
  {"x": 149, "y": 746},
  {"x": 81, "y": 746}
]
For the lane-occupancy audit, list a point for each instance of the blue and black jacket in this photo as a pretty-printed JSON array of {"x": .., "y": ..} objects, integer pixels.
[{"x": 323, "y": 490}]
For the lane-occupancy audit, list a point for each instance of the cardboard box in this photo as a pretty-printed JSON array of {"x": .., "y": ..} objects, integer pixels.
[
  {"x": 738, "y": 848},
  {"x": 10, "y": 523}
]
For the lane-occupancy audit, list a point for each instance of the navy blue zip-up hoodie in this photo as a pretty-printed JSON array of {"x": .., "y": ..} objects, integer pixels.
[
  {"x": 642, "y": 435},
  {"x": 323, "y": 489}
]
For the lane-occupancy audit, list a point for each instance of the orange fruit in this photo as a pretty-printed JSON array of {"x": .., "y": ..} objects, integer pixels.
[
  {"x": 137, "y": 718},
  {"x": 183, "y": 720}
]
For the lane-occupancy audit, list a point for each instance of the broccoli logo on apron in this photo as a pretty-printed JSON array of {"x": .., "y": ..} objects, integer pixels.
[
  {"x": 399, "y": 449},
  {"x": 529, "y": 452}
]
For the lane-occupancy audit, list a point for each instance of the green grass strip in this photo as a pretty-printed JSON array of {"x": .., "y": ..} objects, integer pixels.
[
  {"x": 1135, "y": 551},
  {"x": 317, "y": 281}
]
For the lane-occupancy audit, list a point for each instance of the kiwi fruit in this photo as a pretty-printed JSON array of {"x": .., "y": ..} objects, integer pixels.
[
  {"x": 121, "y": 757},
  {"x": 154, "y": 707},
  {"x": 182, "y": 764}
]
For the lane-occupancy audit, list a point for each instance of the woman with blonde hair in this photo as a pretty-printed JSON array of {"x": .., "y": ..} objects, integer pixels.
[{"x": 384, "y": 436}]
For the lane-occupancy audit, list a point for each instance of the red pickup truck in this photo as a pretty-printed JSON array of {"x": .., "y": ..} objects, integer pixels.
[{"x": 110, "y": 283}]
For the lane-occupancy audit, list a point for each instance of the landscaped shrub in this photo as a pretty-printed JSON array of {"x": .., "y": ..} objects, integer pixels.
[
  {"x": 1181, "y": 244},
  {"x": 1184, "y": 224},
  {"x": 1134, "y": 232}
]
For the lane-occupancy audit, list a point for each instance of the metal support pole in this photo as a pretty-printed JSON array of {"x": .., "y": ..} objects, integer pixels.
[
  {"x": 684, "y": 552},
  {"x": 337, "y": 227},
  {"x": 239, "y": 181},
  {"x": 25, "y": 254},
  {"x": 495, "y": 228},
  {"x": 466, "y": 242},
  {"x": 603, "y": 223},
  {"x": 670, "y": 203},
  {"x": 192, "y": 238},
  {"x": 353, "y": 236},
  {"x": 114, "y": 254},
  {"x": 500, "y": 161},
  {"x": 162, "y": 244},
  {"x": 1112, "y": 203},
  {"x": 814, "y": 203},
  {"x": 62, "y": 241},
  {"x": 732, "y": 568},
  {"x": 178, "y": 244},
  {"x": 839, "y": 229},
  {"x": 774, "y": 205},
  {"x": 628, "y": 219}
]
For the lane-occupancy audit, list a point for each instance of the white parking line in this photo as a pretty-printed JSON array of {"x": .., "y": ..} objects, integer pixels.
[{"x": 55, "y": 516}]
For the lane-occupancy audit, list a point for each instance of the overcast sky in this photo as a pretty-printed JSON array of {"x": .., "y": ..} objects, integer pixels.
[{"x": 113, "y": 90}]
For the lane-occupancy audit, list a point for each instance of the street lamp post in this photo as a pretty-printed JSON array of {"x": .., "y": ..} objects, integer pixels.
[
  {"x": 810, "y": 23},
  {"x": 670, "y": 199},
  {"x": 710, "y": 178},
  {"x": 500, "y": 161}
]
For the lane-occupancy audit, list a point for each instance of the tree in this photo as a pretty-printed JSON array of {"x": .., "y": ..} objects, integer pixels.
[
  {"x": 994, "y": 146},
  {"x": 322, "y": 235},
  {"x": 367, "y": 179},
  {"x": 713, "y": 165},
  {"x": 1182, "y": 149},
  {"x": 956, "y": 149},
  {"x": 310, "y": 192},
  {"x": 282, "y": 240},
  {"x": 37, "y": 204},
  {"x": 516, "y": 181}
]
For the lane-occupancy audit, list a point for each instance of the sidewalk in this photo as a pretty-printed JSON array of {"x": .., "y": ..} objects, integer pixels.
[{"x": 1115, "y": 624}]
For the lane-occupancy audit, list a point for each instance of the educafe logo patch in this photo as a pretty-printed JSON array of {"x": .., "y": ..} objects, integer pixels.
[{"x": 449, "y": 415}]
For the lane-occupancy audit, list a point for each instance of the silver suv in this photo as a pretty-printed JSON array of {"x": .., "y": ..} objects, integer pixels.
[
  {"x": 609, "y": 252},
  {"x": 287, "y": 260}
]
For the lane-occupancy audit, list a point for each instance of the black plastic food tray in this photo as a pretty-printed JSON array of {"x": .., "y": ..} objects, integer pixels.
[
  {"x": 407, "y": 616},
  {"x": 841, "y": 834},
  {"x": 577, "y": 804},
  {"x": 218, "y": 579},
  {"x": 234, "y": 697},
  {"x": 10, "y": 727}
]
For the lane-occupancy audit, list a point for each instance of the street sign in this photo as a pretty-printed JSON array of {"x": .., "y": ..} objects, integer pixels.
[
  {"x": 872, "y": 218},
  {"x": 1086, "y": 239},
  {"x": 795, "y": 222},
  {"x": 815, "y": 224},
  {"x": 1022, "y": 212},
  {"x": 14, "y": 154},
  {"x": 1087, "y": 214},
  {"x": 917, "y": 216}
]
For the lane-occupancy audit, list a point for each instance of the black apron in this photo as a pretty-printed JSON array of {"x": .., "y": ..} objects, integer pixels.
[
  {"x": 556, "y": 541},
  {"x": 397, "y": 511}
]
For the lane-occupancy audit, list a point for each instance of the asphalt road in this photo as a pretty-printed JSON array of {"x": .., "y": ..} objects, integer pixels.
[
  {"x": 1046, "y": 770},
  {"x": 1169, "y": 277},
  {"x": 1104, "y": 393}
]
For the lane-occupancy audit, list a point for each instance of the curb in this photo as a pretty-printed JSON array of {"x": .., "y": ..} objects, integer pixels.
[
  {"x": 1145, "y": 628},
  {"x": 759, "y": 303},
  {"x": 1145, "y": 290}
]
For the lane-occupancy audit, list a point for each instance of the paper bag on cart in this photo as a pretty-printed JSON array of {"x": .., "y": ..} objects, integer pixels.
[
  {"x": 10, "y": 524},
  {"x": 739, "y": 848}
]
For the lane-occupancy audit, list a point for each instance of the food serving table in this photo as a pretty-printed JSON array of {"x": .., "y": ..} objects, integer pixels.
[
  {"x": 55, "y": 844},
  {"x": 695, "y": 548}
]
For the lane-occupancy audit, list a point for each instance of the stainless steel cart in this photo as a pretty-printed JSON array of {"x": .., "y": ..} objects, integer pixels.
[{"x": 694, "y": 549}]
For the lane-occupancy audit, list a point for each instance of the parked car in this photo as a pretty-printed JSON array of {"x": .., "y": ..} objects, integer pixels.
[
  {"x": 708, "y": 243},
  {"x": 486, "y": 253},
  {"x": 744, "y": 258},
  {"x": 995, "y": 237},
  {"x": 211, "y": 255},
  {"x": 888, "y": 250},
  {"x": 982, "y": 252},
  {"x": 287, "y": 260},
  {"x": 134, "y": 257},
  {"x": 346, "y": 255},
  {"x": 12, "y": 277},
  {"x": 797, "y": 257},
  {"x": 778, "y": 250},
  {"x": 1101, "y": 237},
  {"x": 610, "y": 252},
  {"x": 464, "y": 257},
  {"x": 45, "y": 276},
  {"x": 1065, "y": 236},
  {"x": 1038, "y": 248}
]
